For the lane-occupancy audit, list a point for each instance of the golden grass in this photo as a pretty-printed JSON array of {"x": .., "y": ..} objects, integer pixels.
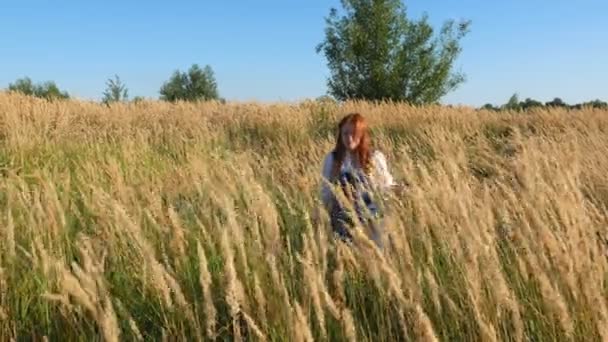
[{"x": 193, "y": 221}]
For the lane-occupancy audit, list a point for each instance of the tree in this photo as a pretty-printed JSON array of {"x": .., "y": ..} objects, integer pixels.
[
  {"x": 116, "y": 91},
  {"x": 513, "y": 103},
  {"x": 489, "y": 106},
  {"x": 197, "y": 84},
  {"x": 596, "y": 104},
  {"x": 374, "y": 52},
  {"x": 530, "y": 103},
  {"x": 556, "y": 102},
  {"x": 50, "y": 91},
  {"x": 325, "y": 99},
  {"x": 24, "y": 86},
  {"x": 47, "y": 90}
]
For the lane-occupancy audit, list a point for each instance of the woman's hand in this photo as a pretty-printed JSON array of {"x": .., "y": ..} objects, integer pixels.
[{"x": 399, "y": 189}]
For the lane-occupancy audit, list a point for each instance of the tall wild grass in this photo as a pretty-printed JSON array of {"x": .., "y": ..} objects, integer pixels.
[{"x": 157, "y": 221}]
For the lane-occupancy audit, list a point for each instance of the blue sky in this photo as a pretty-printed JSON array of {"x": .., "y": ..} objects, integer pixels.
[{"x": 265, "y": 50}]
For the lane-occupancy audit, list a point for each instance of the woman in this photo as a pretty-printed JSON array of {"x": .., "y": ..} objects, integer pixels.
[{"x": 360, "y": 172}]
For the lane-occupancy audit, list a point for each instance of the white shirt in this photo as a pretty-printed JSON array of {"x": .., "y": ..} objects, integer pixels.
[{"x": 380, "y": 177}]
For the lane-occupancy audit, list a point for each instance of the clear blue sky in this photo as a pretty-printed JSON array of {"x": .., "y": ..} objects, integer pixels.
[{"x": 264, "y": 50}]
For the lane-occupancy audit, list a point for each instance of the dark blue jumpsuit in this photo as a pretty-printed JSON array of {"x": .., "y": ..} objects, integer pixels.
[{"x": 366, "y": 209}]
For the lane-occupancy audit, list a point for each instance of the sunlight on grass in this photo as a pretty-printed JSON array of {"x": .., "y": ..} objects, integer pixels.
[{"x": 193, "y": 222}]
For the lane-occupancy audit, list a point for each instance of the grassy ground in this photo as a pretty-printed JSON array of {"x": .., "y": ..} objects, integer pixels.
[{"x": 154, "y": 221}]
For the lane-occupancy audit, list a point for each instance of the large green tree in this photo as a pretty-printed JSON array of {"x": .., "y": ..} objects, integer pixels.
[
  {"x": 375, "y": 52},
  {"x": 196, "y": 84}
]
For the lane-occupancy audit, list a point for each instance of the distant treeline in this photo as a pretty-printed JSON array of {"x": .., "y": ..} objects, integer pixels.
[
  {"x": 195, "y": 84},
  {"x": 515, "y": 104},
  {"x": 200, "y": 84}
]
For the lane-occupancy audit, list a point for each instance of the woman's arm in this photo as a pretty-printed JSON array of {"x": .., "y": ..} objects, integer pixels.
[{"x": 385, "y": 179}]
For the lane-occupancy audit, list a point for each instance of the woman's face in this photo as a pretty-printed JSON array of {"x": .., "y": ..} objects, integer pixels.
[{"x": 349, "y": 137}]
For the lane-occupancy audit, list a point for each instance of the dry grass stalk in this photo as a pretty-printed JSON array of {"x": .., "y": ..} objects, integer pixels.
[
  {"x": 88, "y": 289},
  {"x": 503, "y": 225},
  {"x": 205, "y": 281},
  {"x": 235, "y": 294}
]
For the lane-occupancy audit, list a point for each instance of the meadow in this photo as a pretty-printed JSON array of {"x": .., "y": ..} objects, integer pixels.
[{"x": 196, "y": 221}]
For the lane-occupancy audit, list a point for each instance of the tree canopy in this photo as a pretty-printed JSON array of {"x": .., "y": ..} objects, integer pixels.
[
  {"x": 48, "y": 90},
  {"x": 116, "y": 91},
  {"x": 374, "y": 52},
  {"x": 196, "y": 84}
]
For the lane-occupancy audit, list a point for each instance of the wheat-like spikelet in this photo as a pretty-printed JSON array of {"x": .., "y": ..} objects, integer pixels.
[
  {"x": 348, "y": 325},
  {"x": 260, "y": 299},
  {"x": 235, "y": 294},
  {"x": 301, "y": 327},
  {"x": 178, "y": 243},
  {"x": 87, "y": 287},
  {"x": 205, "y": 282},
  {"x": 312, "y": 286},
  {"x": 254, "y": 326}
]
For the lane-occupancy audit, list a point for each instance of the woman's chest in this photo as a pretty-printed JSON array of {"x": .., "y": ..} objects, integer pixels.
[{"x": 349, "y": 165}]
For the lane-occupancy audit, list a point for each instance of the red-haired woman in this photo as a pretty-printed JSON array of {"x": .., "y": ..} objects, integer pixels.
[{"x": 352, "y": 162}]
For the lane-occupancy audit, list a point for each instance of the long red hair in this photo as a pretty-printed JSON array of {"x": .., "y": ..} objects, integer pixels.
[{"x": 363, "y": 149}]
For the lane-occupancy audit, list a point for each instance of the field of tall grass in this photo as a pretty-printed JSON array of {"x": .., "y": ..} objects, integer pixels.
[{"x": 158, "y": 221}]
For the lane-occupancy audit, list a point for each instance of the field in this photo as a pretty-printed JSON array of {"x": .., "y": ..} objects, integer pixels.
[{"x": 152, "y": 221}]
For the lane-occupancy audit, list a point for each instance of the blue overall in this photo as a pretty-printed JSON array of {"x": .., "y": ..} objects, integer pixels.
[{"x": 366, "y": 209}]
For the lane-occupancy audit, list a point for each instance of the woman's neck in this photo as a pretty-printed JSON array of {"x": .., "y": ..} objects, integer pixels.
[{"x": 354, "y": 159}]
